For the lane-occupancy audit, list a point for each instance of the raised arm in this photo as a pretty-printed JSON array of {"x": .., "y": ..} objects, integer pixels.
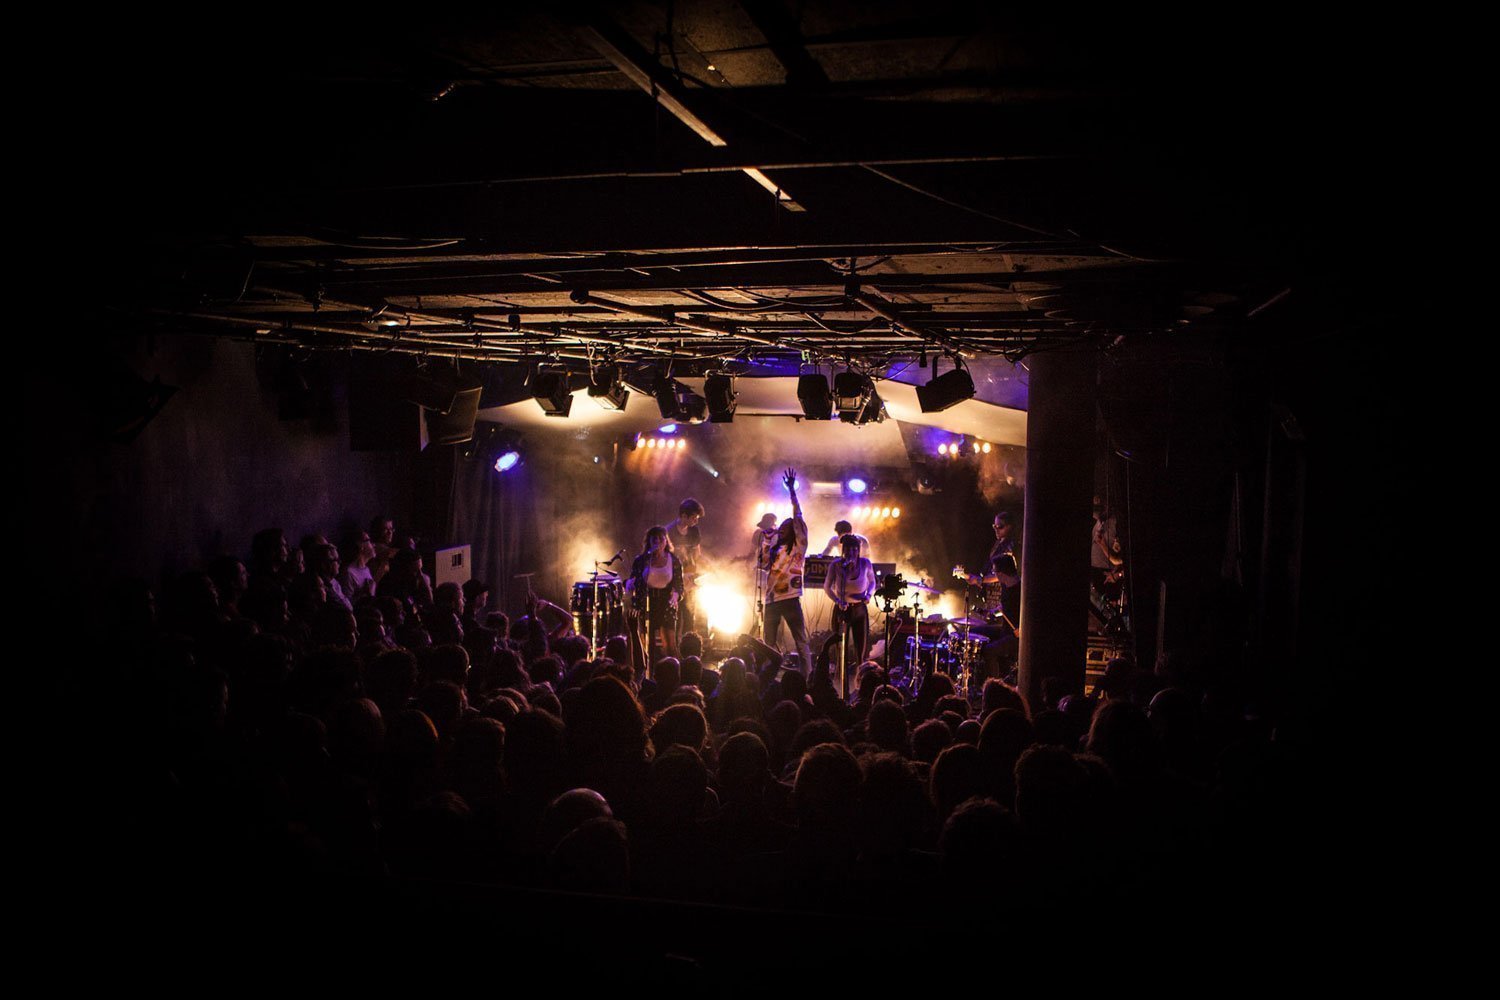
[{"x": 799, "y": 526}]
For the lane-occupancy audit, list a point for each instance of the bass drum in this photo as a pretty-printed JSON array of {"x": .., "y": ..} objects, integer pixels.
[
  {"x": 611, "y": 607},
  {"x": 923, "y": 657}
]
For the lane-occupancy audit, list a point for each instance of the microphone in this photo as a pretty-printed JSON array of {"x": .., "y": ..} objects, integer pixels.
[{"x": 616, "y": 557}]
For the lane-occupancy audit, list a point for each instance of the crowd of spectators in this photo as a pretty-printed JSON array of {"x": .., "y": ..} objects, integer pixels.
[{"x": 324, "y": 709}]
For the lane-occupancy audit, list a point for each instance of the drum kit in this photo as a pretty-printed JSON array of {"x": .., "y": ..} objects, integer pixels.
[{"x": 918, "y": 646}]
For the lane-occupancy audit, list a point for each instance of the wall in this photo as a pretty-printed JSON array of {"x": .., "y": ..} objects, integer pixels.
[{"x": 212, "y": 468}]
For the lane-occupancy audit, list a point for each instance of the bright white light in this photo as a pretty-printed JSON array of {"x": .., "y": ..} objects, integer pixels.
[
  {"x": 895, "y": 511},
  {"x": 856, "y": 486},
  {"x": 650, "y": 442},
  {"x": 943, "y": 448},
  {"x": 668, "y": 428},
  {"x": 716, "y": 474},
  {"x": 727, "y": 610},
  {"x": 596, "y": 459},
  {"x": 986, "y": 448},
  {"x": 976, "y": 447},
  {"x": 507, "y": 461},
  {"x": 885, "y": 512},
  {"x": 681, "y": 444}
]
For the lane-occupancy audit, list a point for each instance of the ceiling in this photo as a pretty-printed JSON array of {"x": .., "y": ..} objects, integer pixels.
[{"x": 720, "y": 186}]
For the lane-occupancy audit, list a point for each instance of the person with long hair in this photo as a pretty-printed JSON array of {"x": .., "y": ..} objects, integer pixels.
[
  {"x": 850, "y": 584},
  {"x": 787, "y": 560},
  {"x": 655, "y": 587}
]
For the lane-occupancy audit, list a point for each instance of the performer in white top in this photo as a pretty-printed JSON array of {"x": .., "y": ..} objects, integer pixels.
[{"x": 850, "y": 584}]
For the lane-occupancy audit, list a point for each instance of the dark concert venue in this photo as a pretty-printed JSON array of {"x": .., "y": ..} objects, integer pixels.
[{"x": 695, "y": 489}]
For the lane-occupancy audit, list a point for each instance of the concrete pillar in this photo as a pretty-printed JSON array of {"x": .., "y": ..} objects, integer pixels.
[{"x": 1059, "y": 518}]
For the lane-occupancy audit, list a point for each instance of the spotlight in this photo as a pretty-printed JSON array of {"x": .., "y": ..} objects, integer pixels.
[
  {"x": 668, "y": 398},
  {"x": 694, "y": 407},
  {"x": 722, "y": 399},
  {"x": 681, "y": 444},
  {"x": 606, "y": 389},
  {"x": 553, "y": 391},
  {"x": 895, "y": 511},
  {"x": 885, "y": 512},
  {"x": 813, "y": 394},
  {"x": 651, "y": 442},
  {"x": 851, "y": 391},
  {"x": 943, "y": 448},
  {"x": 509, "y": 460},
  {"x": 856, "y": 485},
  {"x": 986, "y": 448},
  {"x": 596, "y": 459},
  {"x": 668, "y": 429},
  {"x": 948, "y": 389},
  {"x": 976, "y": 447}
]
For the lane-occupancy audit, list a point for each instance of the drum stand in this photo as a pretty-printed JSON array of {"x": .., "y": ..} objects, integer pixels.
[
  {"x": 887, "y": 605},
  {"x": 598, "y": 617}
]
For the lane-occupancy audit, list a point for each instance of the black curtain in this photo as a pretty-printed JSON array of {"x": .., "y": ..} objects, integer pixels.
[{"x": 496, "y": 513}]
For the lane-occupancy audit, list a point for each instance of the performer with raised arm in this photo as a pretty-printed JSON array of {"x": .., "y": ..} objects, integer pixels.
[
  {"x": 784, "y": 578},
  {"x": 655, "y": 592},
  {"x": 850, "y": 583}
]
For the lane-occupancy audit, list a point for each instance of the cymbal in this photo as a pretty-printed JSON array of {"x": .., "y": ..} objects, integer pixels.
[
  {"x": 606, "y": 573},
  {"x": 968, "y": 621},
  {"x": 924, "y": 588}
]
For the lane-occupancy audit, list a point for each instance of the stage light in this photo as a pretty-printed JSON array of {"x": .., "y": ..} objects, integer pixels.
[
  {"x": 681, "y": 444},
  {"x": 895, "y": 511},
  {"x": 606, "y": 389},
  {"x": 694, "y": 408},
  {"x": 596, "y": 459},
  {"x": 976, "y": 447},
  {"x": 948, "y": 389},
  {"x": 553, "y": 392},
  {"x": 850, "y": 391},
  {"x": 986, "y": 448},
  {"x": 668, "y": 428},
  {"x": 650, "y": 442},
  {"x": 509, "y": 460},
  {"x": 722, "y": 399},
  {"x": 885, "y": 512},
  {"x": 813, "y": 394},
  {"x": 856, "y": 485},
  {"x": 715, "y": 473},
  {"x": 668, "y": 398},
  {"x": 943, "y": 448},
  {"x": 726, "y": 610}
]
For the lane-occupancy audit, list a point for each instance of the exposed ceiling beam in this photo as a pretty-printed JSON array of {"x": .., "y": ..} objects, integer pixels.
[
  {"x": 625, "y": 55},
  {"x": 785, "y": 40}
]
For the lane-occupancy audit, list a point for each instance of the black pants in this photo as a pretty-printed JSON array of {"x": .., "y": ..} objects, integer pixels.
[
  {"x": 857, "y": 617},
  {"x": 1000, "y": 648}
]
